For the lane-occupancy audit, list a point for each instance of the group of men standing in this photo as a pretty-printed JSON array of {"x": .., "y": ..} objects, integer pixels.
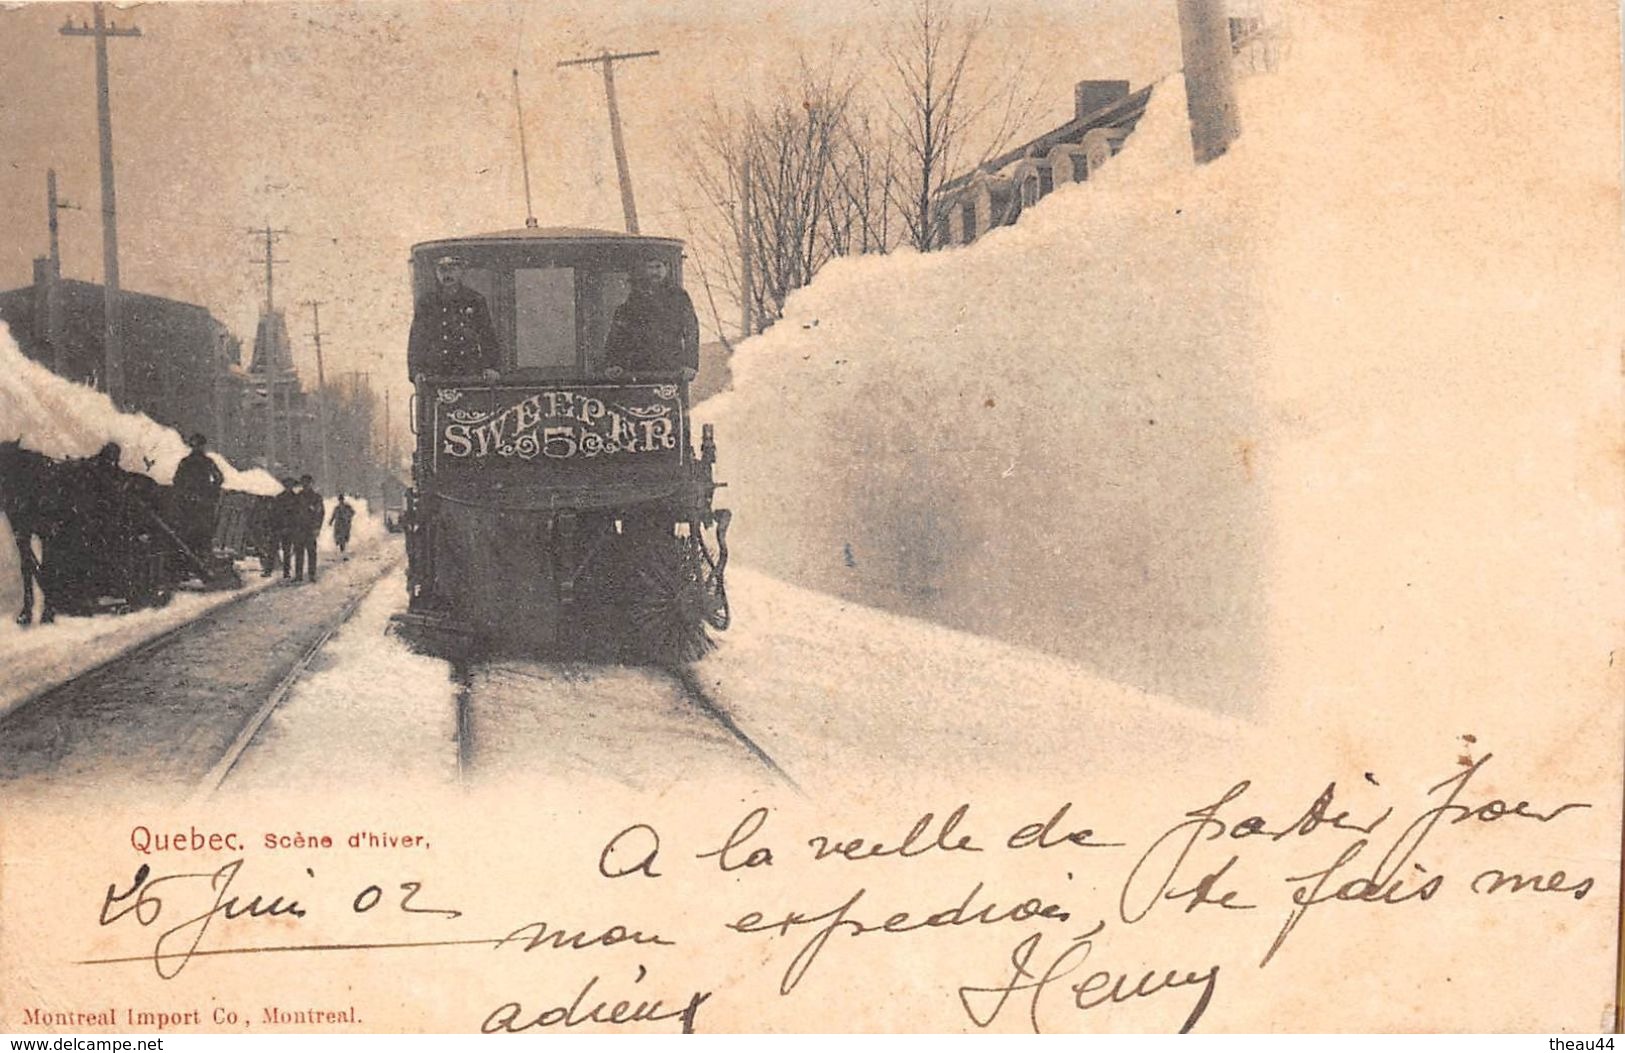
[
  {"x": 292, "y": 521},
  {"x": 286, "y": 527}
]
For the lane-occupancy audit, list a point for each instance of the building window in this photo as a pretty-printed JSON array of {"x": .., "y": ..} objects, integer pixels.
[
  {"x": 967, "y": 222},
  {"x": 1080, "y": 168},
  {"x": 1029, "y": 191},
  {"x": 1046, "y": 181}
]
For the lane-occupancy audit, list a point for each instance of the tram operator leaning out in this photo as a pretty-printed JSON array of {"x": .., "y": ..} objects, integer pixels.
[
  {"x": 452, "y": 334},
  {"x": 655, "y": 332}
]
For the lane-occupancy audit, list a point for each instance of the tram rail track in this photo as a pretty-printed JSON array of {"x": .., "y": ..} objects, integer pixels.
[{"x": 647, "y": 701}]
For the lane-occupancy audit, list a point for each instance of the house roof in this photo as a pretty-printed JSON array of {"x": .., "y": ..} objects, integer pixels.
[{"x": 1124, "y": 113}]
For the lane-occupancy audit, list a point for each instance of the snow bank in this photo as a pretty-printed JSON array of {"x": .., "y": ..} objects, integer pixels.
[
  {"x": 1311, "y": 422},
  {"x": 63, "y": 419},
  {"x": 1441, "y": 281},
  {"x": 1042, "y": 436}
]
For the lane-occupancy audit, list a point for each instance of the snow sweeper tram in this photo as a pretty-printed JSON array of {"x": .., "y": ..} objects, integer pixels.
[{"x": 559, "y": 506}]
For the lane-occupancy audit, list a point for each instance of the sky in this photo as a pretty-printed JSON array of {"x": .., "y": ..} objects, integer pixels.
[{"x": 364, "y": 128}]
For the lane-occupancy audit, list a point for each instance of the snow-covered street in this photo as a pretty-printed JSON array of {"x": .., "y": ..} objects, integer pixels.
[
  {"x": 792, "y": 688},
  {"x": 788, "y": 698}
]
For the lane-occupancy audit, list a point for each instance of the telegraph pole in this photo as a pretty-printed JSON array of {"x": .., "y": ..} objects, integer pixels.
[
  {"x": 52, "y": 204},
  {"x": 112, "y": 350},
  {"x": 747, "y": 280},
  {"x": 270, "y": 274},
  {"x": 321, "y": 389},
  {"x": 272, "y": 373},
  {"x": 607, "y": 61},
  {"x": 389, "y": 453},
  {"x": 53, "y": 297},
  {"x": 1210, "y": 77}
]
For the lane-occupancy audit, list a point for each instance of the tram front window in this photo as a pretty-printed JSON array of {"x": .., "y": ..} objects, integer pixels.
[{"x": 545, "y": 318}]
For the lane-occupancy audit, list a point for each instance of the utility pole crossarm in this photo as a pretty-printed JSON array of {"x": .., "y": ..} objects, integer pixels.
[
  {"x": 607, "y": 57},
  {"x": 269, "y": 260},
  {"x": 607, "y": 61}
]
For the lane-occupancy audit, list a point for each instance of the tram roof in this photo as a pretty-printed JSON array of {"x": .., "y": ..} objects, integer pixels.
[{"x": 549, "y": 234}]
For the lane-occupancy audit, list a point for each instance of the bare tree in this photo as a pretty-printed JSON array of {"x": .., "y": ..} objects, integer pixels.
[
  {"x": 807, "y": 195},
  {"x": 940, "y": 121},
  {"x": 860, "y": 215}
]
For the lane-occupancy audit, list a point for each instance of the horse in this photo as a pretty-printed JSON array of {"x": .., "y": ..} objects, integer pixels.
[{"x": 26, "y": 488}]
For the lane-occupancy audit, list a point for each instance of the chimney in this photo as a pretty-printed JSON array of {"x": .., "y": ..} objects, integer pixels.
[{"x": 1093, "y": 95}]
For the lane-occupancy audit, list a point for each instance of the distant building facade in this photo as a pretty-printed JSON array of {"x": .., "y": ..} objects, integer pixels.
[
  {"x": 1105, "y": 113},
  {"x": 177, "y": 355},
  {"x": 276, "y": 428}
]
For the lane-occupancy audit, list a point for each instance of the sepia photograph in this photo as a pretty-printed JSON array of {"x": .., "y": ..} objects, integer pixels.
[{"x": 1047, "y": 516}]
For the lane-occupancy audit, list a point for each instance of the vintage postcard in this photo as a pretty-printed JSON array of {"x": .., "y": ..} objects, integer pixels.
[{"x": 931, "y": 516}]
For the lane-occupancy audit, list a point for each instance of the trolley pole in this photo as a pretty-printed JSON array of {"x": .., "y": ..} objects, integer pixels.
[
  {"x": 524, "y": 154},
  {"x": 112, "y": 349},
  {"x": 321, "y": 390},
  {"x": 607, "y": 62}
]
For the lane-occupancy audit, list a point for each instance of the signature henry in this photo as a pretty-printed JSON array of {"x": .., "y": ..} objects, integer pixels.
[{"x": 984, "y": 1004}]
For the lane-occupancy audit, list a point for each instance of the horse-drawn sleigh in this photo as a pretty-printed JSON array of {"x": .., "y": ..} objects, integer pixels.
[{"x": 108, "y": 539}]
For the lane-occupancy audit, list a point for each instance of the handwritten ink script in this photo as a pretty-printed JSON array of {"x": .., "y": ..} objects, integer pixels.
[{"x": 1062, "y": 921}]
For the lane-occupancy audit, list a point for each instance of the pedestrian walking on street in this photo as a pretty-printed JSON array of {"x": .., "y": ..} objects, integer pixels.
[
  {"x": 308, "y": 525},
  {"x": 284, "y": 524},
  {"x": 343, "y": 512}
]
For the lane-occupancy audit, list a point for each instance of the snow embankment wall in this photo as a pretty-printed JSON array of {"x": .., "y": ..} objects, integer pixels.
[
  {"x": 1330, "y": 422},
  {"x": 1043, "y": 436}
]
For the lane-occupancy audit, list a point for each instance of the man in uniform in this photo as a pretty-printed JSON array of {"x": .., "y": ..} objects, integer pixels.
[
  {"x": 452, "y": 335},
  {"x": 655, "y": 333},
  {"x": 307, "y": 512},
  {"x": 197, "y": 497}
]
